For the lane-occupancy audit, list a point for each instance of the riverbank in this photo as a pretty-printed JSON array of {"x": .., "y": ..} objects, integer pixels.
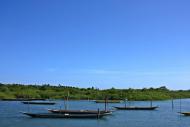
[{"x": 21, "y": 91}]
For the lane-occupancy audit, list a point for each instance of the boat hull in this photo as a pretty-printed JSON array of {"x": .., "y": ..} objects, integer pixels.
[
  {"x": 185, "y": 113},
  {"x": 136, "y": 108},
  {"x": 108, "y": 101},
  {"x": 38, "y": 103},
  {"x": 52, "y": 115},
  {"x": 79, "y": 111}
]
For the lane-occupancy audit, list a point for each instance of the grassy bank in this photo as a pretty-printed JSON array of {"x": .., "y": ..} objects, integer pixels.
[{"x": 11, "y": 91}]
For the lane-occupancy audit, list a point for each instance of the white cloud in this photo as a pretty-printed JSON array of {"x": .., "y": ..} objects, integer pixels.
[{"x": 51, "y": 69}]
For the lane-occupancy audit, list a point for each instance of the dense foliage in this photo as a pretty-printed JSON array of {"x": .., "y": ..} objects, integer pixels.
[{"x": 46, "y": 91}]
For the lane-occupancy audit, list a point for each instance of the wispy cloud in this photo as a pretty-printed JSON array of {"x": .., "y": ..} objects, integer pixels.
[
  {"x": 116, "y": 72},
  {"x": 100, "y": 71},
  {"x": 51, "y": 69}
]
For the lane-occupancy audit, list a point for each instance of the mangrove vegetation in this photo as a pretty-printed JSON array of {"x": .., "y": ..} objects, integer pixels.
[{"x": 47, "y": 91}]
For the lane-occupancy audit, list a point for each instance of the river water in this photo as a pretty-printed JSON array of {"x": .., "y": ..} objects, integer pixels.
[{"x": 164, "y": 116}]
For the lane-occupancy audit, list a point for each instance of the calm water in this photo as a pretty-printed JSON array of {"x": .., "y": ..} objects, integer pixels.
[{"x": 162, "y": 117}]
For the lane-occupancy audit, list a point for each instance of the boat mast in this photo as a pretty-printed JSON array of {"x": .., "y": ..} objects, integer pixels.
[
  {"x": 65, "y": 103},
  {"x": 172, "y": 103},
  {"x": 105, "y": 103},
  {"x": 180, "y": 104},
  {"x": 125, "y": 103},
  {"x": 28, "y": 105},
  {"x": 68, "y": 100}
]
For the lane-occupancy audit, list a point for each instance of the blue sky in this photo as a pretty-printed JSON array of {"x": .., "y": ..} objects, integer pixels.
[{"x": 101, "y": 43}]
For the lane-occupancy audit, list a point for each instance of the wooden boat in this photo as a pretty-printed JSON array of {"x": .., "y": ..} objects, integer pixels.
[
  {"x": 185, "y": 113},
  {"x": 136, "y": 108},
  {"x": 66, "y": 111},
  {"x": 38, "y": 102},
  {"x": 80, "y": 111},
  {"x": 108, "y": 101},
  {"x": 53, "y": 115}
]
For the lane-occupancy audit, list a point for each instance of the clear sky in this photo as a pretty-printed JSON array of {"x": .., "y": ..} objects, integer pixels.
[{"x": 101, "y": 43}]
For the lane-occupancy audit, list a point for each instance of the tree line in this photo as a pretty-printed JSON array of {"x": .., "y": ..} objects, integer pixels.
[{"x": 47, "y": 91}]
